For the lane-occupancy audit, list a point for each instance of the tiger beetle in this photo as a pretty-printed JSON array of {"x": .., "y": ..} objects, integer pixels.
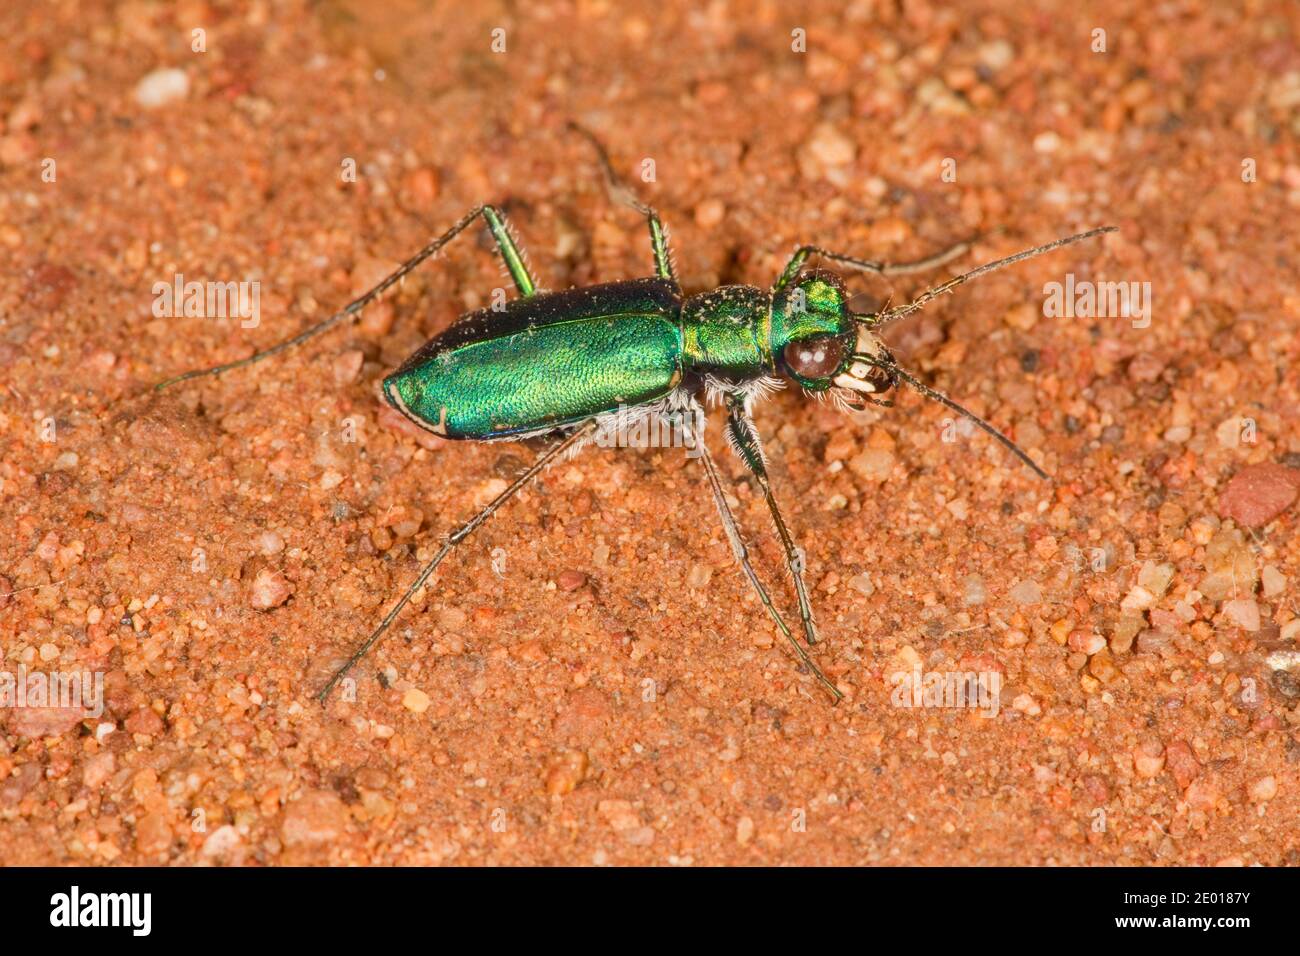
[{"x": 566, "y": 363}]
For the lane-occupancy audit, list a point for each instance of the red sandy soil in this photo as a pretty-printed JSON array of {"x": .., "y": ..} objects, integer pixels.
[{"x": 616, "y": 694}]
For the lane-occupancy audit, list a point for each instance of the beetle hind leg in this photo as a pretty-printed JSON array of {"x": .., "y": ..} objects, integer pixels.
[
  {"x": 567, "y": 446},
  {"x": 510, "y": 253},
  {"x": 619, "y": 193}
]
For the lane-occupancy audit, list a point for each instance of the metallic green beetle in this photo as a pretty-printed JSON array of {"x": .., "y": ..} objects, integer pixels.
[{"x": 575, "y": 362}]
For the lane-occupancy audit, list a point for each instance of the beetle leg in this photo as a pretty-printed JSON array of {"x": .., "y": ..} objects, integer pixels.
[
  {"x": 730, "y": 526},
  {"x": 867, "y": 265},
  {"x": 571, "y": 443},
  {"x": 744, "y": 439},
  {"x": 500, "y": 232},
  {"x": 619, "y": 193},
  {"x": 510, "y": 251}
]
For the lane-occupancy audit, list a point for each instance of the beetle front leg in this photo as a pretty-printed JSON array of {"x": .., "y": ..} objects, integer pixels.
[
  {"x": 869, "y": 265},
  {"x": 744, "y": 439},
  {"x": 732, "y": 530}
]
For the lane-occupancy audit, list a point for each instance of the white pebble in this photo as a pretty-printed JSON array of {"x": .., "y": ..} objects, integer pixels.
[
  {"x": 1027, "y": 592},
  {"x": 1244, "y": 613},
  {"x": 162, "y": 87}
]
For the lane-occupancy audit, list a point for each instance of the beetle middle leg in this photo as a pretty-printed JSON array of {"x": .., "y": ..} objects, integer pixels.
[
  {"x": 619, "y": 193},
  {"x": 732, "y": 529},
  {"x": 573, "y": 442},
  {"x": 496, "y": 224}
]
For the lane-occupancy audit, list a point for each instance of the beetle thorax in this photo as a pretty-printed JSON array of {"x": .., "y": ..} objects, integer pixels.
[{"x": 726, "y": 331}]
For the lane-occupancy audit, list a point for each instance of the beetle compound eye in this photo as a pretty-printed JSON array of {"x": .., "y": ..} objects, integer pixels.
[{"x": 814, "y": 358}]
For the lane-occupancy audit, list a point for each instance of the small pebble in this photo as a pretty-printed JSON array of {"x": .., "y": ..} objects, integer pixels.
[
  {"x": 996, "y": 55},
  {"x": 1155, "y": 578},
  {"x": 1145, "y": 367},
  {"x": 1048, "y": 142},
  {"x": 269, "y": 543},
  {"x": 98, "y": 769},
  {"x": 1232, "y": 567},
  {"x": 1149, "y": 759},
  {"x": 699, "y": 576},
  {"x": 162, "y": 87},
  {"x": 44, "y": 721},
  {"x": 619, "y": 814},
  {"x": 25, "y": 115},
  {"x": 1263, "y": 789},
  {"x": 415, "y": 700},
  {"x": 1023, "y": 316},
  {"x": 420, "y": 188},
  {"x": 1102, "y": 667},
  {"x": 268, "y": 590},
  {"x": 1153, "y": 642},
  {"x": 1086, "y": 642},
  {"x": 1244, "y": 613},
  {"x": 347, "y": 366},
  {"x": 153, "y": 834},
  {"x": 1026, "y": 592},
  {"x": 1273, "y": 581},
  {"x": 863, "y": 584},
  {"x": 221, "y": 842},
  {"x": 710, "y": 213},
  {"x": 404, "y": 520},
  {"x": 317, "y": 817},
  {"x": 566, "y": 771},
  {"x": 144, "y": 720},
  {"x": 1259, "y": 493},
  {"x": 1026, "y": 705},
  {"x": 826, "y": 150},
  {"x": 1138, "y": 599},
  {"x": 570, "y": 580},
  {"x": 1126, "y": 629},
  {"x": 873, "y": 464}
]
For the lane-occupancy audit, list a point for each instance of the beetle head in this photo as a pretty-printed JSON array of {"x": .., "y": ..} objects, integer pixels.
[{"x": 822, "y": 345}]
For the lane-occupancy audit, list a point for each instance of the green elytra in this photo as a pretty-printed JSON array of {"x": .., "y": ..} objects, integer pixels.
[{"x": 566, "y": 362}]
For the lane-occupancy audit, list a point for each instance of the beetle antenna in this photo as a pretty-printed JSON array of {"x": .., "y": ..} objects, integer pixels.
[
  {"x": 889, "y": 316},
  {"x": 938, "y": 396}
]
